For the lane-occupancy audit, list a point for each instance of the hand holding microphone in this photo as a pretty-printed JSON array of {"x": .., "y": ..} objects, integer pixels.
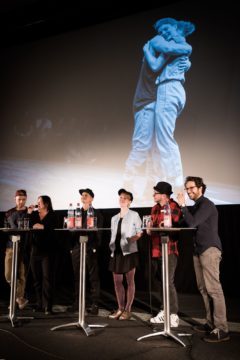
[{"x": 32, "y": 208}]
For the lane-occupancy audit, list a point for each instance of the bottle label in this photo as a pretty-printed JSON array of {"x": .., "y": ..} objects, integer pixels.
[
  {"x": 167, "y": 221},
  {"x": 90, "y": 222},
  {"x": 78, "y": 222},
  {"x": 71, "y": 223}
]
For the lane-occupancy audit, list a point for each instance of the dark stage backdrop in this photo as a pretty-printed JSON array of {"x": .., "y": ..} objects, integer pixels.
[
  {"x": 66, "y": 109},
  {"x": 185, "y": 278}
]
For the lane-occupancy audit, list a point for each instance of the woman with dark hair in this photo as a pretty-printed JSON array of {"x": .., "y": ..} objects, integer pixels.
[
  {"x": 43, "y": 220},
  {"x": 126, "y": 230}
]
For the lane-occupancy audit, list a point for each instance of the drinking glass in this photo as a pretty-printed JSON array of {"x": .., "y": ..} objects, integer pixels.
[
  {"x": 20, "y": 223},
  {"x": 65, "y": 222},
  {"x": 146, "y": 221},
  {"x": 26, "y": 223}
]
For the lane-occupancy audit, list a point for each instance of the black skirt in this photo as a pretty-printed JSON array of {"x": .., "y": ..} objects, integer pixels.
[{"x": 120, "y": 264}]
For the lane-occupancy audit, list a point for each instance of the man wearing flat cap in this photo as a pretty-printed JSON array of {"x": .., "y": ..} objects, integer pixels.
[
  {"x": 161, "y": 195},
  {"x": 92, "y": 268}
]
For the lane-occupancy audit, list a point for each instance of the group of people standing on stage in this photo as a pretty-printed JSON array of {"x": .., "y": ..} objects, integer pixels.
[
  {"x": 126, "y": 230},
  {"x": 159, "y": 100}
]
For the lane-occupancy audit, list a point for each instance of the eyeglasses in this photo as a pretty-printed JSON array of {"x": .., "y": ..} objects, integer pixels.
[{"x": 190, "y": 188}]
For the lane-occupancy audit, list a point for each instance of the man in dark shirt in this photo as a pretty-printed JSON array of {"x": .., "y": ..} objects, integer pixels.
[
  {"x": 207, "y": 256},
  {"x": 92, "y": 268},
  {"x": 12, "y": 216}
]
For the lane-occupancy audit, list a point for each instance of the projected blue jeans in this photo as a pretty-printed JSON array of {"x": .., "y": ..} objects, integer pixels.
[
  {"x": 153, "y": 140},
  {"x": 142, "y": 139},
  {"x": 167, "y": 162}
]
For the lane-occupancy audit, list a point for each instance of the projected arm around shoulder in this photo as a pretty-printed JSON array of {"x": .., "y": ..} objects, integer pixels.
[{"x": 159, "y": 44}]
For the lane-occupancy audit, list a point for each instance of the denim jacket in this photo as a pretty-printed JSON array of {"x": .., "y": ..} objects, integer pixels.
[{"x": 131, "y": 225}]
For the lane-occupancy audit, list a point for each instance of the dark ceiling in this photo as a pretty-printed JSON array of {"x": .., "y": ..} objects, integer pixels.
[{"x": 24, "y": 20}]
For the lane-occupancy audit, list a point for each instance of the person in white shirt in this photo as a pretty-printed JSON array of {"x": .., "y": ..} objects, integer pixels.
[{"x": 126, "y": 231}]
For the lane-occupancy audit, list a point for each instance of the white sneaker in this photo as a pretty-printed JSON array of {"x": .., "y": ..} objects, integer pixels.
[
  {"x": 158, "y": 319},
  {"x": 174, "y": 320}
]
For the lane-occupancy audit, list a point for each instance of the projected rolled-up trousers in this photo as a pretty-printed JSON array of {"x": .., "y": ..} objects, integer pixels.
[{"x": 154, "y": 132}]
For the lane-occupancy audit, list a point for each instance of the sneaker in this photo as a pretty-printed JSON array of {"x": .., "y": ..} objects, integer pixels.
[
  {"x": 203, "y": 328},
  {"x": 217, "y": 335},
  {"x": 158, "y": 319},
  {"x": 174, "y": 320},
  {"x": 21, "y": 303}
]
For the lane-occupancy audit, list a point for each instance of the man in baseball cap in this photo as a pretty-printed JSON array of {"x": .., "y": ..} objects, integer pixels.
[
  {"x": 92, "y": 268},
  {"x": 162, "y": 193},
  {"x": 88, "y": 191},
  {"x": 163, "y": 187}
]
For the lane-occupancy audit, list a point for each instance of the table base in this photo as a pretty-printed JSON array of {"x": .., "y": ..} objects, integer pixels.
[
  {"x": 14, "y": 319},
  {"x": 164, "y": 333},
  {"x": 84, "y": 326}
]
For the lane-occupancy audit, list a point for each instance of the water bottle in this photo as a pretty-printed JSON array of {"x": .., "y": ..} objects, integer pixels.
[
  {"x": 6, "y": 224},
  {"x": 78, "y": 217},
  {"x": 71, "y": 219},
  {"x": 90, "y": 217},
  {"x": 167, "y": 217}
]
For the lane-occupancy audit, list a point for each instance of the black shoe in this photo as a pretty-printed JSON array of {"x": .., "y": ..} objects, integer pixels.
[
  {"x": 93, "y": 310},
  {"x": 217, "y": 335},
  {"x": 37, "y": 308},
  {"x": 203, "y": 328},
  {"x": 48, "y": 311}
]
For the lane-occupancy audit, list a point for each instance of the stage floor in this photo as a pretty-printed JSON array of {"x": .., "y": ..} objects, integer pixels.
[{"x": 33, "y": 339}]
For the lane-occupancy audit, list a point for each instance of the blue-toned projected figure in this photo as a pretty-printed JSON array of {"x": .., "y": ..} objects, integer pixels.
[{"x": 158, "y": 101}]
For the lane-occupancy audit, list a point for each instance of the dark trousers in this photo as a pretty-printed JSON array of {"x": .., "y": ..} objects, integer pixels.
[
  {"x": 92, "y": 274},
  {"x": 157, "y": 280},
  {"x": 40, "y": 266}
]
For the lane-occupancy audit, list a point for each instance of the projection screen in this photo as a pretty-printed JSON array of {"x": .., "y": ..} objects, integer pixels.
[{"x": 67, "y": 117}]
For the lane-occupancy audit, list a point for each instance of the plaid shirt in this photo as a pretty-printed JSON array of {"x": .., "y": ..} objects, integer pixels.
[{"x": 157, "y": 218}]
